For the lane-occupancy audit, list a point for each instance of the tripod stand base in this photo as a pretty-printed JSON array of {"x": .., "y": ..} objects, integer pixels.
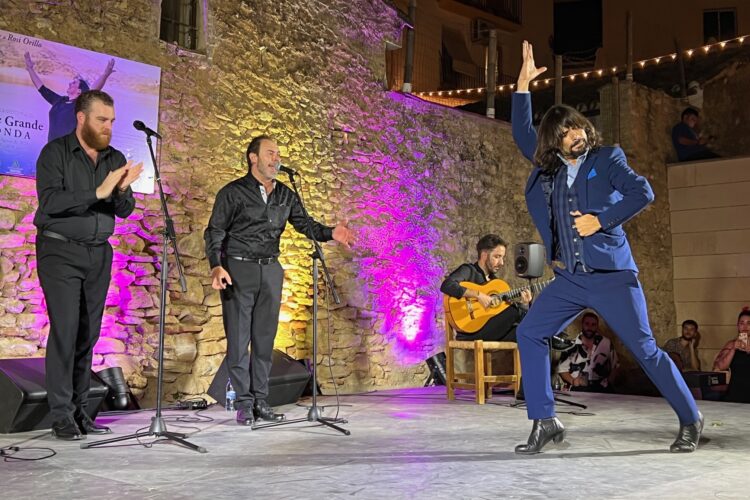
[
  {"x": 330, "y": 422},
  {"x": 157, "y": 429}
]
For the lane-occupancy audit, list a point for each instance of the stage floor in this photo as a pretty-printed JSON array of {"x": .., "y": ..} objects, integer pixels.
[{"x": 409, "y": 443}]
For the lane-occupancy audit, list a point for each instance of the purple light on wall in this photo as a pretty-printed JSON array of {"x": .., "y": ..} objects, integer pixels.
[{"x": 397, "y": 233}]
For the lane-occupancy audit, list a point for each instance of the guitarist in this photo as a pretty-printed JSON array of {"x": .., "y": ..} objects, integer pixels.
[{"x": 491, "y": 250}]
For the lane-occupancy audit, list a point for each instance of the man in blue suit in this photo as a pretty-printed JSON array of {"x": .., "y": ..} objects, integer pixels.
[{"x": 579, "y": 194}]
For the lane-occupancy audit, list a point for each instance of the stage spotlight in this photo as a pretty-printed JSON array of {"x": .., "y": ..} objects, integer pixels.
[
  {"x": 118, "y": 397},
  {"x": 436, "y": 364}
]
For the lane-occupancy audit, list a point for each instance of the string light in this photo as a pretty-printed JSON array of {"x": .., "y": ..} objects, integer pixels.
[{"x": 599, "y": 72}]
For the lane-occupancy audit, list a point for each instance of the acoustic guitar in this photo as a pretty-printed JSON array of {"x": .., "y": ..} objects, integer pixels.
[{"x": 468, "y": 316}]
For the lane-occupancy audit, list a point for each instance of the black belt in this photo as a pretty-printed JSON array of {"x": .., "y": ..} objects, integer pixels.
[
  {"x": 58, "y": 236},
  {"x": 263, "y": 261}
]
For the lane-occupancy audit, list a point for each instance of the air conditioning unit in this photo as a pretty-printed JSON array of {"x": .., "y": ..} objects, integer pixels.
[{"x": 480, "y": 30}]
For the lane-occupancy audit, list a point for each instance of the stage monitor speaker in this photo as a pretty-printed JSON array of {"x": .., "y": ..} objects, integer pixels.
[
  {"x": 23, "y": 395},
  {"x": 288, "y": 380},
  {"x": 529, "y": 260}
]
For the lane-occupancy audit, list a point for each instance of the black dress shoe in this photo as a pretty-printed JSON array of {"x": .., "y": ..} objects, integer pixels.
[
  {"x": 262, "y": 411},
  {"x": 688, "y": 437},
  {"x": 544, "y": 431},
  {"x": 88, "y": 426},
  {"x": 66, "y": 429},
  {"x": 559, "y": 343},
  {"x": 245, "y": 416}
]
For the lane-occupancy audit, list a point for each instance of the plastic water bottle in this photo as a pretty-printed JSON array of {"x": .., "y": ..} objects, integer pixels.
[{"x": 231, "y": 396}]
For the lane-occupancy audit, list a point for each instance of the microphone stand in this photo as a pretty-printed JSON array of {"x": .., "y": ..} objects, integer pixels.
[
  {"x": 315, "y": 413},
  {"x": 158, "y": 427}
]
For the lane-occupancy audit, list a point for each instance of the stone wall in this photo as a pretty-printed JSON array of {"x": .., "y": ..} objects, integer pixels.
[
  {"x": 725, "y": 113},
  {"x": 418, "y": 183}
]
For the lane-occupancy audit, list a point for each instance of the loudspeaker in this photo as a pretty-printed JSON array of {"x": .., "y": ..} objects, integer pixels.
[
  {"x": 529, "y": 260},
  {"x": 23, "y": 394},
  {"x": 288, "y": 379}
]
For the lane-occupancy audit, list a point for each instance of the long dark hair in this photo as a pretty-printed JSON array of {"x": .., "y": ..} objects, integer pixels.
[{"x": 551, "y": 132}]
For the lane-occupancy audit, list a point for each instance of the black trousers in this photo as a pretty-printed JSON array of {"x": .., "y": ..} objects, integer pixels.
[
  {"x": 499, "y": 328},
  {"x": 250, "y": 308},
  {"x": 74, "y": 280}
]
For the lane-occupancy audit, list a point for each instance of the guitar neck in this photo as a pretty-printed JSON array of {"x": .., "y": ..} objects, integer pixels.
[{"x": 535, "y": 288}]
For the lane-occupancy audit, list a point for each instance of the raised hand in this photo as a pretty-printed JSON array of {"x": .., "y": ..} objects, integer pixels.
[
  {"x": 29, "y": 62},
  {"x": 529, "y": 71},
  {"x": 104, "y": 190},
  {"x": 132, "y": 174}
]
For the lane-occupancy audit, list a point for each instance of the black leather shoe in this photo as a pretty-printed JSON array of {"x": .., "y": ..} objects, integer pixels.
[
  {"x": 544, "y": 431},
  {"x": 245, "y": 416},
  {"x": 262, "y": 411},
  {"x": 559, "y": 343},
  {"x": 88, "y": 426},
  {"x": 688, "y": 437},
  {"x": 66, "y": 429}
]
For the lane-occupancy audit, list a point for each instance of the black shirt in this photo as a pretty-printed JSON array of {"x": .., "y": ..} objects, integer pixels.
[
  {"x": 465, "y": 272},
  {"x": 66, "y": 182},
  {"x": 243, "y": 225}
]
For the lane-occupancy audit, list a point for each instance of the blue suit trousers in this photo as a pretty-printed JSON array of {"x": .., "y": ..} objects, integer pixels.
[{"x": 618, "y": 297}]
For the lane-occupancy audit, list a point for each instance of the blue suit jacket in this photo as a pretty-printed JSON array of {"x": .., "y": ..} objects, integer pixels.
[{"x": 606, "y": 187}]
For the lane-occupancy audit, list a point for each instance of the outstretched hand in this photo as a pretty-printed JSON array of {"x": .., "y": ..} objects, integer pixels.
[
  {"x": 529, "y": 71},
  {"x": 343, "y": 235}
]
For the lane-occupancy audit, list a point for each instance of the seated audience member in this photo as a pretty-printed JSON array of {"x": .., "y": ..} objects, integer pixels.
[
  {"x": 735, "y": 357},
  {"x": 590, "y": 364},
  {"x": 687, "y": 141},
  {"x": 684, "y": 350}
]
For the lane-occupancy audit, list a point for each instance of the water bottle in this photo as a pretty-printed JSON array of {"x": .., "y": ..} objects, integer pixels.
[{"x": 231, "y": 396}]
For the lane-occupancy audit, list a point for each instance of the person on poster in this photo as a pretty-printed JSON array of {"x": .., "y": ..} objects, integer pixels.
[
  {"x": 82, "y": 184},
  {"x": 62, "y": 115},
  {"x": 579, "y": 193},
  {"x": 242, "y": 247}
]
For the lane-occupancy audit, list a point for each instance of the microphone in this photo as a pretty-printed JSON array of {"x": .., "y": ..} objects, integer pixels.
[
  {"x": 287, "y": 170},
  {"x": 139, "y": 125}
]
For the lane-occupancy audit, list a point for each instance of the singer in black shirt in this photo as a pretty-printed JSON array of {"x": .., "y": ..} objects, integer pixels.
[
  {"x": 242, "y": 246},
  {"x": 82, "y": 184}
]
